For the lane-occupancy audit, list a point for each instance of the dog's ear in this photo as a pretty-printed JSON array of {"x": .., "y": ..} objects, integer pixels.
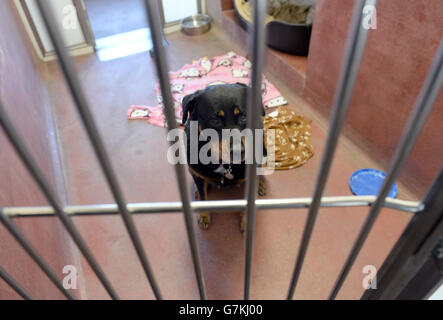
[
  {"x": 241, "y": 84},
  {"x": 246, "y": 86},
  {"x": 188, "y": 104}
]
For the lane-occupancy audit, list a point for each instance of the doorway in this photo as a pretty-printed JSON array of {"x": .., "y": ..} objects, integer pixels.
[
  {"x": 111, "y": 17},
  {"x": 121, "y": 28}
]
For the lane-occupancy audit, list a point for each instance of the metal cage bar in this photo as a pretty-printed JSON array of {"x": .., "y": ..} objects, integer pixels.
[
  {"x": 354, "y": 50},
  {"x": 412, "y": 250},
  {"x": 32, "y": 252},
  {"x": 254, "y": 107},
  {"x": 68, "y": 69},
  {"x": 30, "y": 163},
  {"x": 215, "y": 205},
  {"x": 351, "y": 61},
  {"x": 14, "y": 284},
  {"x": 163, "y": 76},
  {"x": 423, "y": 106}
]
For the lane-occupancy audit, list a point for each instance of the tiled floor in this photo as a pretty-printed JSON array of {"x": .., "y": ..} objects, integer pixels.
[{"x": 138, "y": 154}]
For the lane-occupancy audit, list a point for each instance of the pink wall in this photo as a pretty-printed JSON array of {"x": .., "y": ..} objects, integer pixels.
[
  {"x": 23, "y": 93},
  {"x": 397, "y": 57}
]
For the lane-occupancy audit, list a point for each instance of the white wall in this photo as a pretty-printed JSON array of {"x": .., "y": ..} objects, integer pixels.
[{"x": 72, "y": 36}]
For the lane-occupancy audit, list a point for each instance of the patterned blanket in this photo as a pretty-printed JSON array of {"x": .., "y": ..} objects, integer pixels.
[{"x": 228, "y": 68}]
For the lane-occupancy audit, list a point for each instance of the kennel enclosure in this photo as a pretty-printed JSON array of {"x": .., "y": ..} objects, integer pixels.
[{"x": 420, "y": 240}]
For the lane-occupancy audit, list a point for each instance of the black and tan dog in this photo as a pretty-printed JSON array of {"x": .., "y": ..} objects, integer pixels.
[{"x": 217, "y": 107}]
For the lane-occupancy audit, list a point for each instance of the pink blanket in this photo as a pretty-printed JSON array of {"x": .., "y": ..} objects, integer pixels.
[{"x": 229, "y": 68}]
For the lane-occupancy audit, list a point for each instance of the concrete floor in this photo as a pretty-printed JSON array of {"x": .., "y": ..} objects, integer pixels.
[{"x": 138, "y": 152}]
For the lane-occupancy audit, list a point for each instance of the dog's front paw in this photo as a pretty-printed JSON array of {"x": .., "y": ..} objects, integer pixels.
[
  {"x": 261, "y": 186},
  {"x": 204, "y": 220}
]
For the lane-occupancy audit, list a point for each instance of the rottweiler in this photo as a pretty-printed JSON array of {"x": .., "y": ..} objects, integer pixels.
[{"x": 217, "y": 107}]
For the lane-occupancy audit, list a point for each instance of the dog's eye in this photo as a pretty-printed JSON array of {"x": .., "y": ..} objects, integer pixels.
[{"x": 216, "y": 122}]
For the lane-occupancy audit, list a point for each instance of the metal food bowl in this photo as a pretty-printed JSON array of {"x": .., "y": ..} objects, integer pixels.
[{"x": 196, "y": 24}]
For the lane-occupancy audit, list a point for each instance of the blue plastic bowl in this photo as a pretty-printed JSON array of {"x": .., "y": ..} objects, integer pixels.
[{"x": 367, "y": 182}]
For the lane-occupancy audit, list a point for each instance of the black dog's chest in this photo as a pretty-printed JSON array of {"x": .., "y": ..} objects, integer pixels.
[
  {"x": 226, "y": 174},
  {"x": 222, "y": 174}
]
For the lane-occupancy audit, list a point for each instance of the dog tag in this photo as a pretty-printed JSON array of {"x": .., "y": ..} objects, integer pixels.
[
  {"x": 229, "y": 175},
  {"x": 220, "y": 170}
]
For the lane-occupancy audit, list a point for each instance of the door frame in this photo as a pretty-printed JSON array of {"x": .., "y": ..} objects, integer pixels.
[
  {"x": 45, "y": 55},
  {"x": 84, "y": 21}
]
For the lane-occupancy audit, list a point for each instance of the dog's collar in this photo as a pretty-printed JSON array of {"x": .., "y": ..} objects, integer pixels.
[
  {"x": 210, "y": 179},
  {"x": 225, "y": 172}
]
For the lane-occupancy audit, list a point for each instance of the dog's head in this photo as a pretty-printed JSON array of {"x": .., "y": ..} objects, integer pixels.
[{"x": 219, "y": 107}]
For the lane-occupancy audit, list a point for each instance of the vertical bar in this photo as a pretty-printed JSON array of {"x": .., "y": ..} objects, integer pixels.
[
  {"x": 162, "y": 73},
  {"x": 199, "y": 7},
  {"x": 353, "y": 54},
  {"x": 399, "y": 265},
  {"x": 27, "y": 246},
  {"x": 21, "y": 149},
  {"x": 14, "y": 284},
  {"x": 254, "y": 105},
  {"x": 68, "y": 68},
  {"x": 423, "y": 106}
]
